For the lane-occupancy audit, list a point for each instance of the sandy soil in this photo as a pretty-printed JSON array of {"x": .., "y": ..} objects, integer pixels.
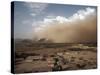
[{"x": 40, "y": 58}]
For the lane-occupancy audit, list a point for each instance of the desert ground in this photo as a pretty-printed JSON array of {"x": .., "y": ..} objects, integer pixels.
[{"x": 45, "y": 57}]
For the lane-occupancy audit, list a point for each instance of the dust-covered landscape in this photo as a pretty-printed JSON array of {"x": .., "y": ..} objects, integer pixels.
[{"x": 41, "y": 57}]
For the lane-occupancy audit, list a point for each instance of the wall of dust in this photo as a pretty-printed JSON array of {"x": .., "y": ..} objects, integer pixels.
[{"x": 80, "y": 27}]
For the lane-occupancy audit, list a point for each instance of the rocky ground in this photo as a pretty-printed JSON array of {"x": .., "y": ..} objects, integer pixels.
[{"x": 41, "y": 58}]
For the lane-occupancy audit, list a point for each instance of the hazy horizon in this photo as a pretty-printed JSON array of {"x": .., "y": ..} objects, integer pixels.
[{"x": 60, "y": 23}]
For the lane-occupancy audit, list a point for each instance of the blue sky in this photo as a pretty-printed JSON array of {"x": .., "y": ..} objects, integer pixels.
[{"x": 28, "y": 14}]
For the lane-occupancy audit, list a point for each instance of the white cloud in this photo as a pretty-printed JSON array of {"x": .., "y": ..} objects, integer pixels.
[
  {"x": 35, "y": 5},
  {"x": 51, "y": 20},
  {"x": 33, "y": 14},
  {"x": 61, "y": 19},
  {"x": 35, "y": 8},
  {"x": 79, "y": 15}
]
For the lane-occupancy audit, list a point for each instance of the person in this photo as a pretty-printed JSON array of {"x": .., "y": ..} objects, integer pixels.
[{"x": 57, "y": 66}]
